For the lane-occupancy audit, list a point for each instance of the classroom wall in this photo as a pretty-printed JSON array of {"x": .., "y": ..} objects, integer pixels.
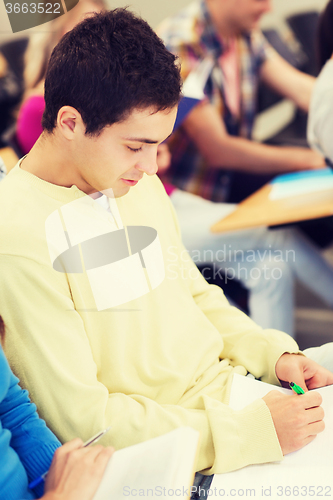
[{"x": 156, "y": 10}]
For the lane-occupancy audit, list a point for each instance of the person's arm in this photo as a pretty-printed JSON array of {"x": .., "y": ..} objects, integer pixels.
[
  {"x": 320, "y": 121},
  {"x": 75, "y": 472},
  {"x": 31, "y": 439},
  {"x": 288, "y": 81},
  {"x": 207, "y": 130},
  {"x": 3, "y": 66}
]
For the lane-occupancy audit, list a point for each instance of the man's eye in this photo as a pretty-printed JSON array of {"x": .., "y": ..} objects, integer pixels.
[{"x": 135, "y": 150}]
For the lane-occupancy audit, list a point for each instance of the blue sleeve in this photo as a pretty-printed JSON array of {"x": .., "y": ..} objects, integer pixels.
[{"x": 34, "y": 443}]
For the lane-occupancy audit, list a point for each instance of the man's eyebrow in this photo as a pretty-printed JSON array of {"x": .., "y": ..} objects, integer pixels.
[
  {"x": 143, "y": 139},
  {"x": 140, "y": 139}
]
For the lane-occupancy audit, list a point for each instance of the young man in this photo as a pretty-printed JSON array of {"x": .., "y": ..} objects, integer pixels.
[
  {"x": 106, "y": 326},
  {"x": 216, "y": 136}
]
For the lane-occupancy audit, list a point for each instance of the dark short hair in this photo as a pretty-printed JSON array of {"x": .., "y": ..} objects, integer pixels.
[
  {"x": 107, "y": 66},
  {"x": 324, "y": 40}
]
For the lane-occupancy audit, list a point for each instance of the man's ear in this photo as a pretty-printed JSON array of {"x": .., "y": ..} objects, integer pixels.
[{"x": 69, "y": 122}]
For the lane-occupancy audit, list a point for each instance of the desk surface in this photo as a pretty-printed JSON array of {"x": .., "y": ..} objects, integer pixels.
[{"x": 260, "y": 210}]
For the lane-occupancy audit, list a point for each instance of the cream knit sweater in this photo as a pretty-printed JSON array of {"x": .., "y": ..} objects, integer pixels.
[{"x": 145, "y": 367}]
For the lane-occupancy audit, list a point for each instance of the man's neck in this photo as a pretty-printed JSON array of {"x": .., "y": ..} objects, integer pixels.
[{"x": 50, "y": 161}]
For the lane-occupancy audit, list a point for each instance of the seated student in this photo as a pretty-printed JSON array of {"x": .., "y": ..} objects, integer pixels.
[
  {"x": 130, "y": 336},
  {"x": 27, "y": 447},
  {"x": 215, "y": 139},
  {"x": 320, "y": 123}
]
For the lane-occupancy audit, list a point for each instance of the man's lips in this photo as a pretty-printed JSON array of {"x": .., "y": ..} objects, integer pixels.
[{"x": 131, "y": 182}]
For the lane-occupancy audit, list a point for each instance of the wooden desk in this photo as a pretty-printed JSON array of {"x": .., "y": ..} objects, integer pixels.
[
  {"x": 259, "y": 210},
  {"x": 9, "y": 157}
]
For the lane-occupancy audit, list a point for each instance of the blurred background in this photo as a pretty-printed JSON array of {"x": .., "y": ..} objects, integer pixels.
[{"x": 155, "y": 11}]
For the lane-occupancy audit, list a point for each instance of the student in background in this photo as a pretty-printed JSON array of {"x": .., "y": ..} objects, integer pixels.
[
  {"x": 320, "y": 123},
  {"x": 216, "y": 137},
  {"x": 28, "y": 127},
  {"x": 27, "y": 447}
]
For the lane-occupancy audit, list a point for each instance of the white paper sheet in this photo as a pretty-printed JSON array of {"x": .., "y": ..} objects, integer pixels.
[{"x": 307, "y": 473}]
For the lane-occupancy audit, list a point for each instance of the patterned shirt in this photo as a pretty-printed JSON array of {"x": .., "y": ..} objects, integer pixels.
[{"x": 192, "y": 36}]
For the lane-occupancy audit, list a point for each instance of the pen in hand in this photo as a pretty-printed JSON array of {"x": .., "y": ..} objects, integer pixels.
[
  {"x": 90, "y": 441},
  {"x": 296, "y": 388}
]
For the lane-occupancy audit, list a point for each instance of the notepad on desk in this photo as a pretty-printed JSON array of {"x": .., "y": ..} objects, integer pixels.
[
  {"x": 297, "y": 183},
  {"x": 158, "y": 468},
  {"x": 306, "y": 473}
]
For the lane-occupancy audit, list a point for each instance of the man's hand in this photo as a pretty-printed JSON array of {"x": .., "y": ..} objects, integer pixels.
[
  {"x": 302, "y": 371},
  {"x": 76, "y": 472},
  {"x": 305, "y": 159},
  {"x": 297, "y": 419}
]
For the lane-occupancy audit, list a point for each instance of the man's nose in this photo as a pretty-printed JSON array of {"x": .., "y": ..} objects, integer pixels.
[{"x": 148, "y": 165}]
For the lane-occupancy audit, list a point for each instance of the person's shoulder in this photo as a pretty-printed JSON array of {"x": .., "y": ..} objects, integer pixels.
[
  {"x": 325, "y": 76},
  {"x": 33, "y": 105},
  {"x": 9, "y": 188},
  {"x": 23, "y": 212},
  {"x": 323, "y": 90},
  {"x": 257, "y": 39}
]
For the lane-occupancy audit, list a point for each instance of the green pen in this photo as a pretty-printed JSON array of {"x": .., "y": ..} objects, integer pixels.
[{"x": 296, "y": 388}]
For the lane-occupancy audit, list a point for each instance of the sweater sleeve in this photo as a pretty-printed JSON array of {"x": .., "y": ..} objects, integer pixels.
[
  {"x": 49, "y": 349},
  {"x": 238, "y": 331},
  {"x": 31, "y": 439}
]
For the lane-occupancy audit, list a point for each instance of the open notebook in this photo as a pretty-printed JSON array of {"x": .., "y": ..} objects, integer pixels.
[
  {"x": 303, "y": 182},
  {"x": 306, "y": 473},
  {"x": 159, "y": 468}
]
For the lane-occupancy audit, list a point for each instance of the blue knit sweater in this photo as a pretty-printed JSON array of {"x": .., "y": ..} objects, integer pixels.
[{"x": 26, "y": 444}]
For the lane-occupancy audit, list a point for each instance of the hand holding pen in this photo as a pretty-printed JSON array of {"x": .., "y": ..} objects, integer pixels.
[
  {"x": 76, "y": 470},
  {"x": 297, "y": 419}
]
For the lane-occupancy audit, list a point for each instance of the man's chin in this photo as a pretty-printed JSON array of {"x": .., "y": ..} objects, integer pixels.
[{"x": 118, "y": 193}]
